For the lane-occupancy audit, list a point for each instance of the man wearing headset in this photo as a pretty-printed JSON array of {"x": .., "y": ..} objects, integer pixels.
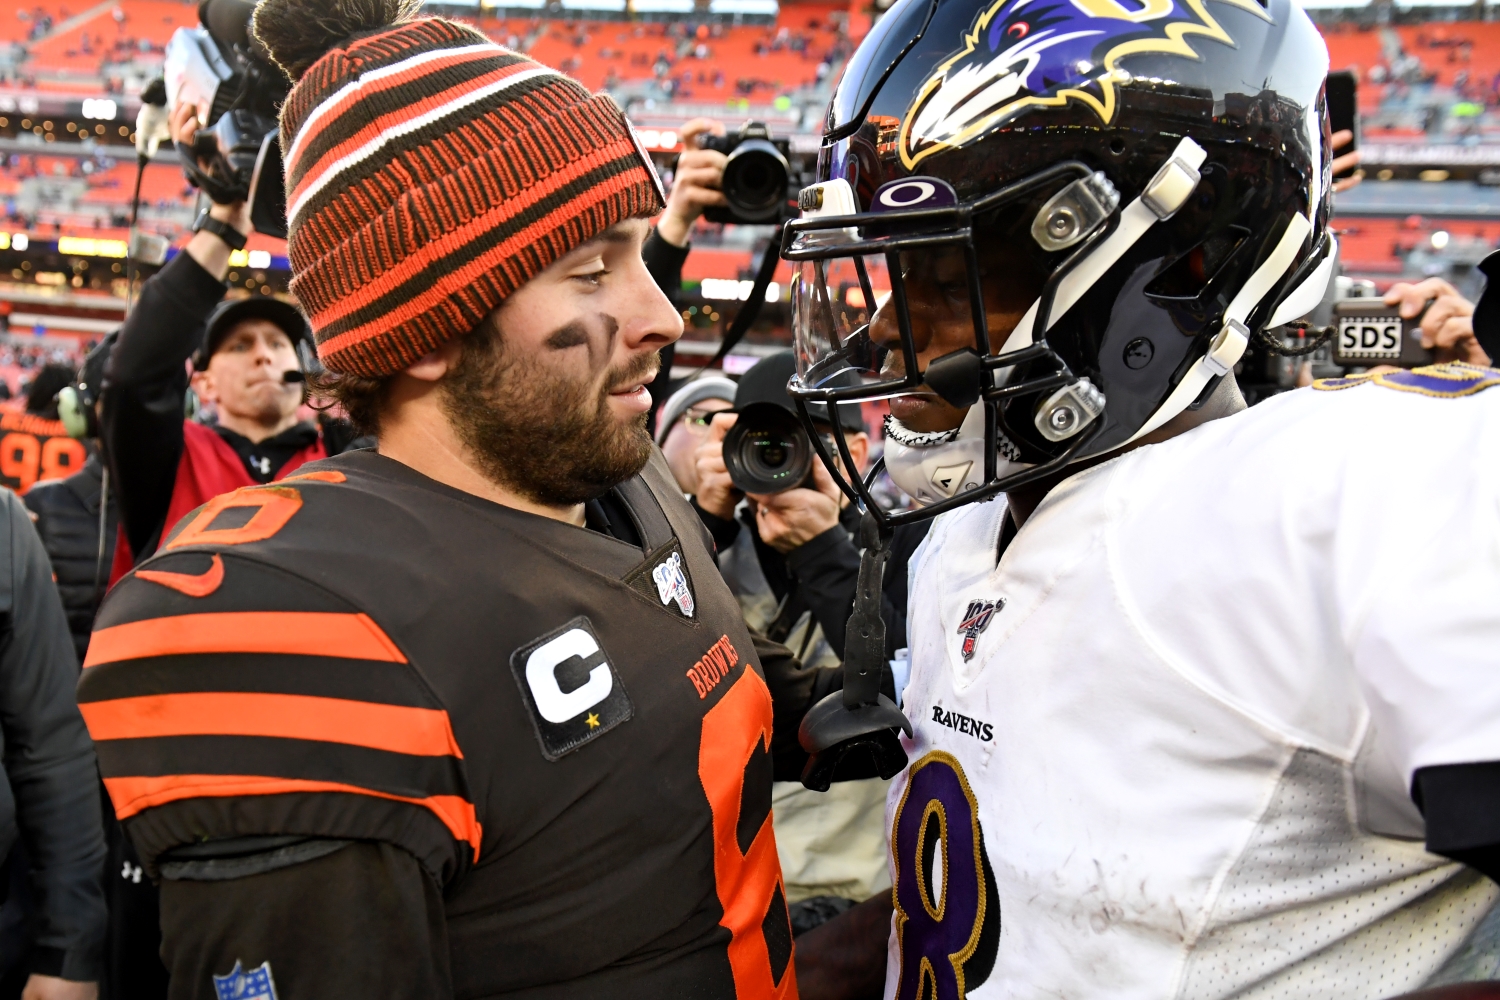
[{"x": 244, "y": 362}]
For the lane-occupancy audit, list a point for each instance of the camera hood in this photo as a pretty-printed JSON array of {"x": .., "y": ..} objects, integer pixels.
[
  {"x": 767, "y": 450},
  {"x": 766, "y": 382}
]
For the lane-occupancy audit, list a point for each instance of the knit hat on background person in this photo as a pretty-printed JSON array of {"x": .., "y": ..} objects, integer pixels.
[
  {"x": 430, "y": 173},
  {"x": 695, "y": 392}
]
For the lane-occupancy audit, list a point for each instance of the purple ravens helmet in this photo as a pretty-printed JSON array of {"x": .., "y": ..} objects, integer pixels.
[{"x": 1161, "y": 169}]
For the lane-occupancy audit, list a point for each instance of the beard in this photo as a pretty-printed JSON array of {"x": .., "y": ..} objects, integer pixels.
[{"x": 548, "y": 436}]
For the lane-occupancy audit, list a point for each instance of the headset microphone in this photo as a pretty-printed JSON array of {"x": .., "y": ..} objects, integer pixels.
[{"x": 293, "y": 376}]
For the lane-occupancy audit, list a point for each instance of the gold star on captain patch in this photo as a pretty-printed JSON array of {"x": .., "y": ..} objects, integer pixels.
[{"x": 592, "y": 720}]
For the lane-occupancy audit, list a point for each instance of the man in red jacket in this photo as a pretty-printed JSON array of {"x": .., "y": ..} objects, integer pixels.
[{"x": 244, "y": 362}]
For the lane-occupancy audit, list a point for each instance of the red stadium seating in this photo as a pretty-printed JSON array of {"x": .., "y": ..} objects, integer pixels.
[
  {"x": 18, "y": 21},
  {"x": 734, "y": 62},
  {"x": 1444, "y": 51},
  {"x": 1372, "y": 248},
  {"x": 106, "y": 37},
  {"x": 755, "y": 63}
]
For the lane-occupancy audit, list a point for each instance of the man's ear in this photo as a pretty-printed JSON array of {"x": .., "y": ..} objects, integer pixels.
[
  {"x": 433, "y": 365},
  {"x": 859, "y": 447},
  {"x": 203, "y": 385}
]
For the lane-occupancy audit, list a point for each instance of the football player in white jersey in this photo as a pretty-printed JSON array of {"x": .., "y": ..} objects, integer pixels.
[{"x": 1204, "y": 700}]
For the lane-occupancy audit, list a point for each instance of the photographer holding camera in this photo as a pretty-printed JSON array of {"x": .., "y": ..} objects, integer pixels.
[
  {"x": 244, "y": 361},
  {"x": 785, "y": 537},
  {"x": 1446, "y": 319},
  {"x": 696, "y": 180},
  {"x": 741, "y": 179}
]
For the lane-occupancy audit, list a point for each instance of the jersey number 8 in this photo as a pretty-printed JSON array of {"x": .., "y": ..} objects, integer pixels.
[{"x": 947, "y": 910}]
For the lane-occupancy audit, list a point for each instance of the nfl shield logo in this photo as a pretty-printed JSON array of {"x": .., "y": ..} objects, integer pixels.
[
  {"x": 976, "y": 619},
  {"x": 241, "y": 984},
  {"x": 672, "y": 585}
]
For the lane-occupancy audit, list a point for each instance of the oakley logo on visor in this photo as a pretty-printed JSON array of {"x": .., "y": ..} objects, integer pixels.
[{"x": 914, "y": 192}]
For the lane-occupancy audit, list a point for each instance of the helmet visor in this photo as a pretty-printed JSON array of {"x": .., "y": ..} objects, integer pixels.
[
  {"x": 860, "y": 328},
  {"x": 833, "y": 302}
]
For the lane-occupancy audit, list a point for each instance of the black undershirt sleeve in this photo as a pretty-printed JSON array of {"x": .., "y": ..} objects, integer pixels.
[
  {"x": 364, "y": 922},
  {"x": 1461, "y": 804},
  {"x": 722, "y": 531},
  {"x": 827, "y": 567},
  {"x": 794, "y": 689}
]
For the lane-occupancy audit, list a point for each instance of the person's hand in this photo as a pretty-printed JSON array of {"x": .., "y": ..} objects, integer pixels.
[
  {"x": 40, "y": 987},
  {"x": 1340, "y": 139},
  {"x": 183, "y": 120},
  {"x": 716, "y": 491},
  {"x": 794, "y": 517},
  {"x": 695, "y": 185},
  {"x": 1448, "y": 325},
  {"x": 211, "y": 253}
]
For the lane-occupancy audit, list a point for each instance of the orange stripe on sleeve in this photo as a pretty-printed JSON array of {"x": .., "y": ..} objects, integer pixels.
[
  {"x": 424, "y": 732},
  {"x": 309, "y": 633},
  {"x": 133, "y": 795}
]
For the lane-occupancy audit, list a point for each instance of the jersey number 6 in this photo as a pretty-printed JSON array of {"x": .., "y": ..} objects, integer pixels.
[{"x": 734, "y": 747}]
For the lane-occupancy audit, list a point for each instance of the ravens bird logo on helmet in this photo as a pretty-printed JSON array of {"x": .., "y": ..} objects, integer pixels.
[
  {"x": 1152, "y": 176},
  {"x": 1031, "y": 53}
]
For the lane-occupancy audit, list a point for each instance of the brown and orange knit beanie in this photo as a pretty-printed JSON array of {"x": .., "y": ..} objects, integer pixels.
[{"x": 430, "y": 173}]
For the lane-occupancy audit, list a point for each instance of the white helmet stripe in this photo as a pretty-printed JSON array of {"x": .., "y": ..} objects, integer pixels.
[
  {"x": 1136, "y": 219},
  {"x": 1228, "y": 347},
  {"x": 1305, "y": 297}
]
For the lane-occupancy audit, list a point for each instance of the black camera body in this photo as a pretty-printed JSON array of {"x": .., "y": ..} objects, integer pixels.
[
  {"x": 758, "y": 181},
  {"x": 768, "y": 450},
  {"x": 236, "y": 90}
]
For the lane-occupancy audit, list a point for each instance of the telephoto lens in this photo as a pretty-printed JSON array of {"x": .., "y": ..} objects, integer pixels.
[
  {"x": 755, "y": 180},
  {"x": 767, "y": 450},
  {"x": 757, "y": 176}
]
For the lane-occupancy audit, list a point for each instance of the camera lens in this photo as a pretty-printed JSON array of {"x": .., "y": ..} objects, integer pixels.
[
  {"x": 767, "y": 451},
  {"x": 755, "y": 180}
]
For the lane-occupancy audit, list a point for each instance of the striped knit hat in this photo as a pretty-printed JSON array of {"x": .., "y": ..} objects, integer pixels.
[{"x": 429, "y": 174}]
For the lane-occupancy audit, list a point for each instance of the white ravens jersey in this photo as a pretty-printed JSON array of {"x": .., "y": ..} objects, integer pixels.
[{"x": 1164, "y": 748}]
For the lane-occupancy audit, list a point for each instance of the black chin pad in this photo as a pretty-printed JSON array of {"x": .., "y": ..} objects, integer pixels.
[
  {"x": 849, "y": 744},
  {"x": 874, "y": 755},
  {"x": 957, "y": 377}
]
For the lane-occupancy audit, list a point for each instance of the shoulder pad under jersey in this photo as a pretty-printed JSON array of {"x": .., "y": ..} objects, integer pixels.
[{"x": 230, "y": 695}]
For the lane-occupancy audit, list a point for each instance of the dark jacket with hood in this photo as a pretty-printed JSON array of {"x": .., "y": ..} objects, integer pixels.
[{"x": 67, "y": 519}]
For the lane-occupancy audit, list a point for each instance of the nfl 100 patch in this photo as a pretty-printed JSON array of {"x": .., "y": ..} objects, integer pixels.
[
  {"x": 246, "y": 984},
  {"x": 663, "y": 579},
  {"x": 975, "y": 620},
  {"x": 1446, "y": 381},
  {"x": 570, "y": 687}
]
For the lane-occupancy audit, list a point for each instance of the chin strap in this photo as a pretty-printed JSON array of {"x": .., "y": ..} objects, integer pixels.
[
  {"x": 864, "y": 637},
  {"x": 853, "y": 733},
  {"x": 1229, "y": 344}
]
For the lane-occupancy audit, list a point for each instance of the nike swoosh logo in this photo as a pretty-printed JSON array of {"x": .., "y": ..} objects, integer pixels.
[{"x": 193, "y": 585}]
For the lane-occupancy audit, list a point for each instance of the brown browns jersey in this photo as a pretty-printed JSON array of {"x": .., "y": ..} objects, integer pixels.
[{"x": 570, "y": 733}]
